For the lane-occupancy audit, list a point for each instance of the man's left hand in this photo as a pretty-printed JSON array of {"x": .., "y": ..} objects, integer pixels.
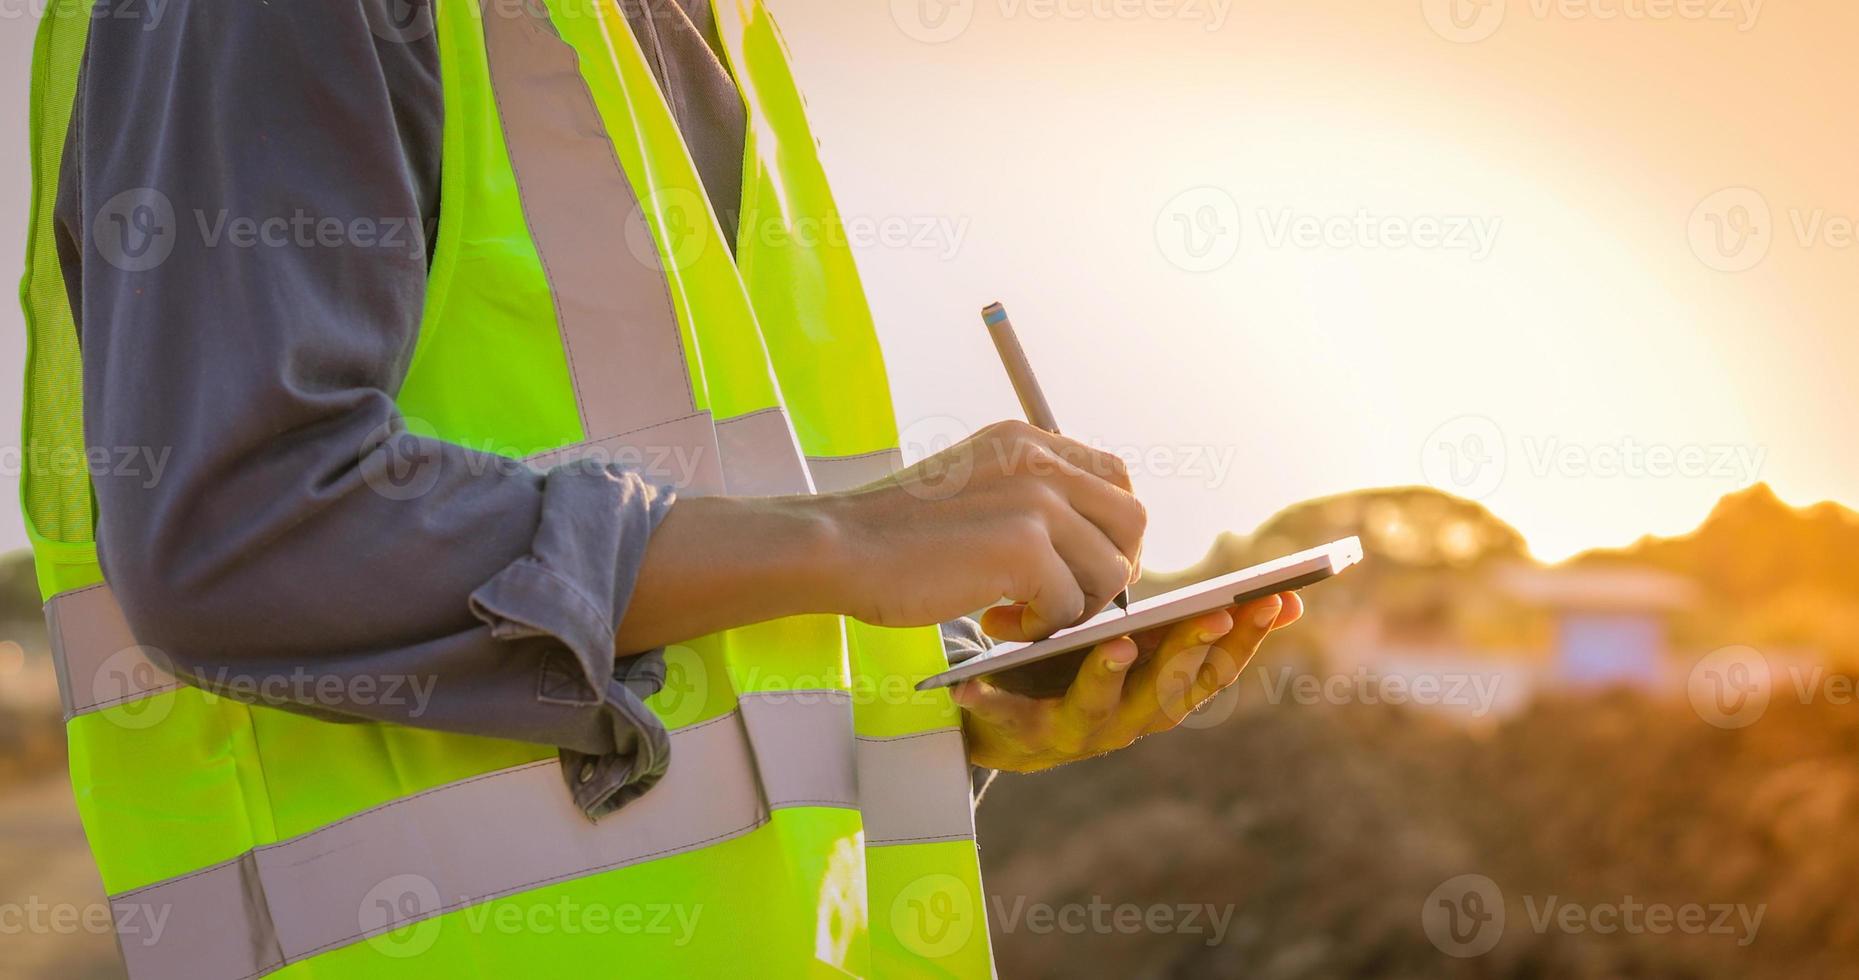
[{"x": 1111, "y": 704}]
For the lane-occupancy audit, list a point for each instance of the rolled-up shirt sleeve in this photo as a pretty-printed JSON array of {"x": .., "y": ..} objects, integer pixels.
[{"x": 276, "y": 530}]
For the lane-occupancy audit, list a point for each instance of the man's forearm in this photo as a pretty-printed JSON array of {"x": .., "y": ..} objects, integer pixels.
[
  {"x": 716, "y": 563},
  {"x": 1002, "y": 516}
]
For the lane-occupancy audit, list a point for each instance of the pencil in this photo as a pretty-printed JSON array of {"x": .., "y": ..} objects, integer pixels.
[{"x": 1026, "y": 385}]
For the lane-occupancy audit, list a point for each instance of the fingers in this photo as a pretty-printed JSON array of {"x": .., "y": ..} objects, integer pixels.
[
  {"x": 1004, "y": 623},
  {"x": 1009, "y": 713},
  {"x": 1075, "y": 501},
  {"x": 1117, "y": 516},
  {"x": 1048, "y": 600},
  {"x": 1105, "y": 500},
  {"x": 1071, "y": 572},
  {"x": 1100, "y": 569},
  {"x": 1164, "y": 681},
  {"x": 1291, "y": 612},
  {"x": 1179, "y": 661},
  {"x": 1095, "y": 484},
  {"x": 1108, "y": 467},
  {"x": 1230, "y": 654},
  {"x": 1092, "y": 701}
]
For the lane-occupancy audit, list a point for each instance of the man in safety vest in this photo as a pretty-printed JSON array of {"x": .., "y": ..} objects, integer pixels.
[{"x": 464, "y": 484}]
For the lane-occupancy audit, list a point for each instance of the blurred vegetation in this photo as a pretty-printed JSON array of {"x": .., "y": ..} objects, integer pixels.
[
  {"x": 31, "y": 732},
  {"x": 1326, "y": 827},
  {"x": 19, "y": 594}
]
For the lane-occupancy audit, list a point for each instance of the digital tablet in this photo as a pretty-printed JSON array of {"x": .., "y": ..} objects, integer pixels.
[{"x": 1285, "y": 574}]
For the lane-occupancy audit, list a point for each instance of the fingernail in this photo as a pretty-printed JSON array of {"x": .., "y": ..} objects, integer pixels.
[
  {"x": 1268, "y": 614},
  {"x": 1118, "y": 656}
]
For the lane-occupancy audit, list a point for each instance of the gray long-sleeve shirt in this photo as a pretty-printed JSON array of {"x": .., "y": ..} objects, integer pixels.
[{"x": 265, "y": 368}]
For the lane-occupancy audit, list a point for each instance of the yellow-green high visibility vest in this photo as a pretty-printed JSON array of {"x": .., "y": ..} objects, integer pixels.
[{"x": 816, "y": 817}]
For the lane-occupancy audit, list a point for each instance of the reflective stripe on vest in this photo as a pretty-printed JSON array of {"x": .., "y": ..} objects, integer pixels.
[{"x": 283, "y": 902}]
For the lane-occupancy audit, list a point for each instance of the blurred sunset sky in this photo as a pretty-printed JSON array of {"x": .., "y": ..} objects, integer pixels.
[{"x": 1592, "y": 263}]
